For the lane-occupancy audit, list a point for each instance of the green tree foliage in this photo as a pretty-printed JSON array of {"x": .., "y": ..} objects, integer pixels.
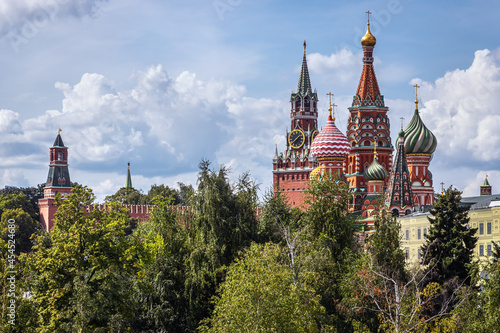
[
  {"x": 33, "y": 193},
  {"x": 450, "y": 243},
  {"x": 276, "y": 213},
  {"x": 125, "y": 196},
  {"x": 159, "y": 294},
  {"x": 260, "y": 295},
  {"x": 222, "y": 222},
  {"x": 81, "y": 271},
  {"x": 18, "y": 207},
  {"x": 329, "y": 246},
  {"x": 161, "y": 191},
  {"x": 384, "y": 245}
]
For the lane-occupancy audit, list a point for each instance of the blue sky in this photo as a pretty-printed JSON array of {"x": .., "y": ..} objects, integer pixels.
[{"x": 162, "y": 84}]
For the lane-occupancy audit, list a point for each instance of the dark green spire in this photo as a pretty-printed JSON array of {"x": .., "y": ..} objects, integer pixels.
[
  {"x": 129, "y": 178},
  {"x": 304, "y": 81}
]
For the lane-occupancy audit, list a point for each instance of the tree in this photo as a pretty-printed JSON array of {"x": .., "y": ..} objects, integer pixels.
[
  {"x": 81, "y": 271},
  {"x": 17, "y": 207},
  {"x": 125, "y": 196},
  {"x": 276, "y": 214},
  {"x": 449, "y": 246},
  {"x": 398, "y": 303},
  {"x": 260, "y": 295},
  {"x": 384, "y": 245},
  {"x": 161, "y": 302},
  {"x": 329, "y": 246},
  {"x": 222, "y": 221},
  {"x": 33, "y": 193},
  {"x": 162, "y": 191}
]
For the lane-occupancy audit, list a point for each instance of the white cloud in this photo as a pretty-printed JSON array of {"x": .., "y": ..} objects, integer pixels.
[
  {"x": 461, "y": 108},
  {"x": 342, "y": 66}
]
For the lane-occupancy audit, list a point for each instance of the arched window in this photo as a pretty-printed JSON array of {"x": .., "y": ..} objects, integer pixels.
[{"x": 307, "y": 102}]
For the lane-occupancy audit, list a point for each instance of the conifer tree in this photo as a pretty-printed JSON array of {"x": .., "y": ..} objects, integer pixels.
[{"x": 450, "y": 242}]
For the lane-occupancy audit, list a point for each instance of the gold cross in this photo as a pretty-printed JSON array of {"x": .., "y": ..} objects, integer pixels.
[
  {"x": 442, "y": 188},
  {"x": 368, "y": 12},
  {"x": 330, "y": 108},
  {"x": 402, "y": 121},
  {"x": 416, "y": 90}
]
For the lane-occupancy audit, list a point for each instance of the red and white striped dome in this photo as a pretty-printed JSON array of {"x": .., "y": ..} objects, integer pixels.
[{"x": 330, "y": 142}]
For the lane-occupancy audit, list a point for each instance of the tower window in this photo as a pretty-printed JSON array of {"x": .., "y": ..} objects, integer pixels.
[{"x": 60, "y": 156}]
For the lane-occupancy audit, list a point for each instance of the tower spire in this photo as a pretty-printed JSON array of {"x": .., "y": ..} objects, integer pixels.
[
  {"x": 304, "y": 81},
  {"x": 128, "y": 185},
  {"x": 368, "y": 93}
]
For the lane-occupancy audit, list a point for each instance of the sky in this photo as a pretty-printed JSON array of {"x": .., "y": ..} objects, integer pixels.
[{"x": 164, "y": 84}]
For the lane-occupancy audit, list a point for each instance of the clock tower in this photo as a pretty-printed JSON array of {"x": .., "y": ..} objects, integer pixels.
[{"x": 292, "y": 167}]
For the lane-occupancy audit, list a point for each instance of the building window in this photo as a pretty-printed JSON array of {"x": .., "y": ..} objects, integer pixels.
[
  {"x": 419, "y": 234},
  {"x": 407, "y": 234},
  {"x": 488, "y": 228},
  {"x": 419, "y": 254},
  {"x": 481, "y": 250},
  {"x": 425, "y": 231},
  {"x": 481, "y": 228},
  {"x": 407, "y": 254},
  {"x": 488, "y": 250}
]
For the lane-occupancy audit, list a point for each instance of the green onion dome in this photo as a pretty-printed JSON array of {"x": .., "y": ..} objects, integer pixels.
[
  {"x": 418, "y": 138},
  {"x": 375, "y": 171}
]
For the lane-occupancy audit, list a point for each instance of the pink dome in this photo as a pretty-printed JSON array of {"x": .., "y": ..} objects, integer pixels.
[{"x": 330, "y": 142}]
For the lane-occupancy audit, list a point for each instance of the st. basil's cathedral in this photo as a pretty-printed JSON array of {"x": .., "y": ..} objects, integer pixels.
[{"x": 363, "y": 157}]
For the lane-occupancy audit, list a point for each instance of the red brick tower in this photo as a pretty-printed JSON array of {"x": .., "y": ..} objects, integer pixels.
[
  {"x": 485, "y": 189},
  {"x": 292, "y": 167},
  {"x": 368, "y": 123},
  {"x": 58, "y": 181}
]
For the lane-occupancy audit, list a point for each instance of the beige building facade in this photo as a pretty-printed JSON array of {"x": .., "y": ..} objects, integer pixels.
[{"x": 484, "y": 215}]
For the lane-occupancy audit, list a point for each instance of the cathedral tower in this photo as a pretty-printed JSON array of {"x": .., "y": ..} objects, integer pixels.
[
  {"x": 420, "y": 144},
  {"x": 292, "y": 167},
  {"x": 368, "y": 123},
  {"x": 399, "y": 198},
  {"x": 58, "y": 181}
]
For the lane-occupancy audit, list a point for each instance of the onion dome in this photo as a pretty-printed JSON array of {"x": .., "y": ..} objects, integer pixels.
[
  {"x": 330, "y": 142},
  {"x": 368, "y": 39},
  {"x": 315, "y": 174},
  {"x": 418, "y": 138},
  {"x": 375, "y": 171}
]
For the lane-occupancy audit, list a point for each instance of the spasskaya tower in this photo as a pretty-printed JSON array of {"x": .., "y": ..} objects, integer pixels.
[{"x": 292, "y": 167}]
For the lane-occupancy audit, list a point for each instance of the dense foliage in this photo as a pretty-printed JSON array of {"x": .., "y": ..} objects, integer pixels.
[{"x": 224, "y": 264}]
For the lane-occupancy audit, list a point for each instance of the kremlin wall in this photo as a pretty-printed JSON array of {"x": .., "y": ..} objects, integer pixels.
[{"x": 362, "y": 158}]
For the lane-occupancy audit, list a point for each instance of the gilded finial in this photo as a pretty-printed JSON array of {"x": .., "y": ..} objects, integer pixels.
[
  {"x": 442, "y": 188},
  {"x": 59, "y": 131},
  {"x": 368, "y": 39},
  {"x": 375, "y": 150},
  {"x": 331, "y": 112},
  {"x": 402, "y": 121},
  {"x": 416, "y": 96},
  {"x": 304, "y": 46}
]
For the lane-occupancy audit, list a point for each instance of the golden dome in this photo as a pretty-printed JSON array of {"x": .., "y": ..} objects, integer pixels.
[
  {"x": 368, "y": 39},
  {"x": 315, "y": 174}
]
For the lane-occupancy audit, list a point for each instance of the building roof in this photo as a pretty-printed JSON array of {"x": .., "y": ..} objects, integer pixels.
[
  {"x": 59, "y": 142},
  {"x": 330, "y": 142},
  {"x": 418, "y": 138}
]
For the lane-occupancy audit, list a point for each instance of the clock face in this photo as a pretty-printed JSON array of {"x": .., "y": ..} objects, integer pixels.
[
  {"x": 316, "y": 132},
  {"x": 296, "y": 138}
]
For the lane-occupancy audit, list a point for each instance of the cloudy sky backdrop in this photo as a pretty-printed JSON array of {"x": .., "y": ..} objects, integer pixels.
[{"x": 162, "y": 84}]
